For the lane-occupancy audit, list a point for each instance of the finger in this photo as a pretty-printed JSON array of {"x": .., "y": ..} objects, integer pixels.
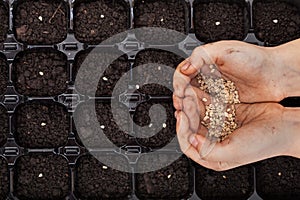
[
  {"x": 180, "y": 82},
  {"x": 183, "y": 131},
  {"x": 191, "y": 110},
  {"x": 177, "y": 101}
]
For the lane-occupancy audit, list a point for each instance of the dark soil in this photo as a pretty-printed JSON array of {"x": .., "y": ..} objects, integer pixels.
[
  {"x": 93, "y": 181},
  {"x": 166, "y": 130},
  {"x": 235, "y": 184},
  {"x": 41, "y": 177},
  {"x": 220, "y": 21},
  {"x": 3, "y": 73},
  {"x": 97, "y": 20},
  {"x": 95, "y": 61},
  {"x": 4, "y": 21},
  {"x": 168, "y": 14},
  {"x": 41, "y": 72},
  {"x": 171, "y": 182},
  {"x": 42, "y": 125},
  {"x": 4, "y": 179},
  {"x": 41, "y": 21},
  {"x": 3, "y": 125},
  {"x": 286, "y": 16},
  {"x": 278, "y": 178},
  {"x": 159, "y": 57},
  {"x": 89, "y": 134}
]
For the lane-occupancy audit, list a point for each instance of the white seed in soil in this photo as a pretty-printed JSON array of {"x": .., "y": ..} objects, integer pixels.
[
  {"x": 224, "y": 176},
  {"x": 218, "y": 23},
  {"x": 275, "y": 21},
  {"x": 279, "y": 174},
  {"x": 43, "y": 124},
  {"x": 40, "y": 175},
  {"x": 102, "y": 16},
  {"x": 169, "y": 176},
  {"x": 41, "y": 73},
  {"x": 40, "y": 18},
  {"x": 162, "y": 19},
  {"x": 104, "y": 167},
  {"x": 102, "y": 126},
  {"x": 159, "y": 67},
  {"x": 164, "y": 125},
  {"x": 204, "y": 99},
  {"x": 150, "y": 125},
  {"x": 137, "y": 87},
  {"x": 105, "y": 79}
]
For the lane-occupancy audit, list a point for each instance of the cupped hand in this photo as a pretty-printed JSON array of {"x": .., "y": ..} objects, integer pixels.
[
  {"x": 262, "y": 132},
  {"x": 253, "y": 69}
]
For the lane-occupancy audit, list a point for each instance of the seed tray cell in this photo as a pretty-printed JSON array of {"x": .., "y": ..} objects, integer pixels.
[
  {"x": 40, "y": 21},
  {"x": 3, "y": 73},
  {"x": 4, "y": 178},
  {"x": 41, "y": 125},
  {"x": 112, "y": 16},
  {"x": 28, "y": 46},
  {"x": 4, "y": 20},
  {"x": 40, "y": 72},
  {"x": 276, "y": 22},
  {"x": 165, "y": 130},
  {"x": 220, "y": 20},
  {"x": 110, "y": 76},
  {"x": 171, "y": 182},
  {"x": 3, "y": 125},
  {"x": 168, "y": 14},
  {"x": 41, "y": 177},
  {"x": 95, "y": 180},
  {"x": 235, "y": 184},
  {"x": 278, "y": 178}
]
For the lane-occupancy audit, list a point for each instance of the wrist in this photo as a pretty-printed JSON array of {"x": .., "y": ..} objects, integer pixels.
[
  {"x": 286, "y": 62},
  {"x": 291, "y": 119}
]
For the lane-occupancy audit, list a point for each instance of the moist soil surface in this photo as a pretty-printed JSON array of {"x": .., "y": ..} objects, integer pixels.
[
  {"x": 96, "y": 180},
  {"x": 4, "y": 179},
  {"x": 3, "y": 125},
  {"x": 162, "y": 131},
  {"x": 168, "y": 14},
  {"x": 220, "y": 21},
  {"x": 40, "y": 72},
  {"x": 41, "y": 21},
  {"x": 235, "y": 184},
  {"x": 276, "y": 22},
  {"x": 278, "y": 178},
  {"x": 97, "y": 20},
  {"x": 41, "y": 125},
  {"x": 3, "y": 74},
  {"x": 161, "y": 59},
  {"x": 4, "y": 21},
  {"x": 170, "y": 182},
  {"x": 113, "y": 71},
  {"x": 41, "y": 177}
]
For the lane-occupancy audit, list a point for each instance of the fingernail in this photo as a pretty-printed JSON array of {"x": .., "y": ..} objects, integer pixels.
[
  {"x": 193, "y": 140},
  {"x": 185, "y": 66},
  {"x": 175, "y": 114}
]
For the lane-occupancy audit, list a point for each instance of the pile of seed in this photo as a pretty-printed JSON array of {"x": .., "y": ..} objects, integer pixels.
[{"x": 220, "y": 116}]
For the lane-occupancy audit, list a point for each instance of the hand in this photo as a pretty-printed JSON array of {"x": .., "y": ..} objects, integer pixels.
[
  {"x": 253, "y": 69},
  {"x": 264, "y": 131}
]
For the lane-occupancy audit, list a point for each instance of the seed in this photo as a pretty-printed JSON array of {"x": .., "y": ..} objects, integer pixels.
[
  {"x": 159, "y": 67},
  {"x": 40, "y": 18},
  {"x": 104, "y": 167},
  {"x": 150, "y": 125},
  {"x": 137, "y": 87},
  {"x": 164, "y": 125},
  {"x": 162, "y": 19},
  {"x": 41, "y": 73},
  {"x": 105, "y": 79},
  {"x": 279, "y": 174},
  {"x": 218, "y": 23},
  {"x": 204, "y": 99},
  {"x": 275, "y": 21},
  {"x": 224, "y": 176},
  {"x": 102, "y": 126},
  {"x": 169, "y": 176},
  {"x": 43, "y": 124},
  {"x": 102, "y": 16},
  {"x": 40, "y": 175}
]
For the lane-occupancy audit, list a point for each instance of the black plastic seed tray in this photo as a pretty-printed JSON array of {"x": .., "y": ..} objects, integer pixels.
[{"x": 42, "y": 45}]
